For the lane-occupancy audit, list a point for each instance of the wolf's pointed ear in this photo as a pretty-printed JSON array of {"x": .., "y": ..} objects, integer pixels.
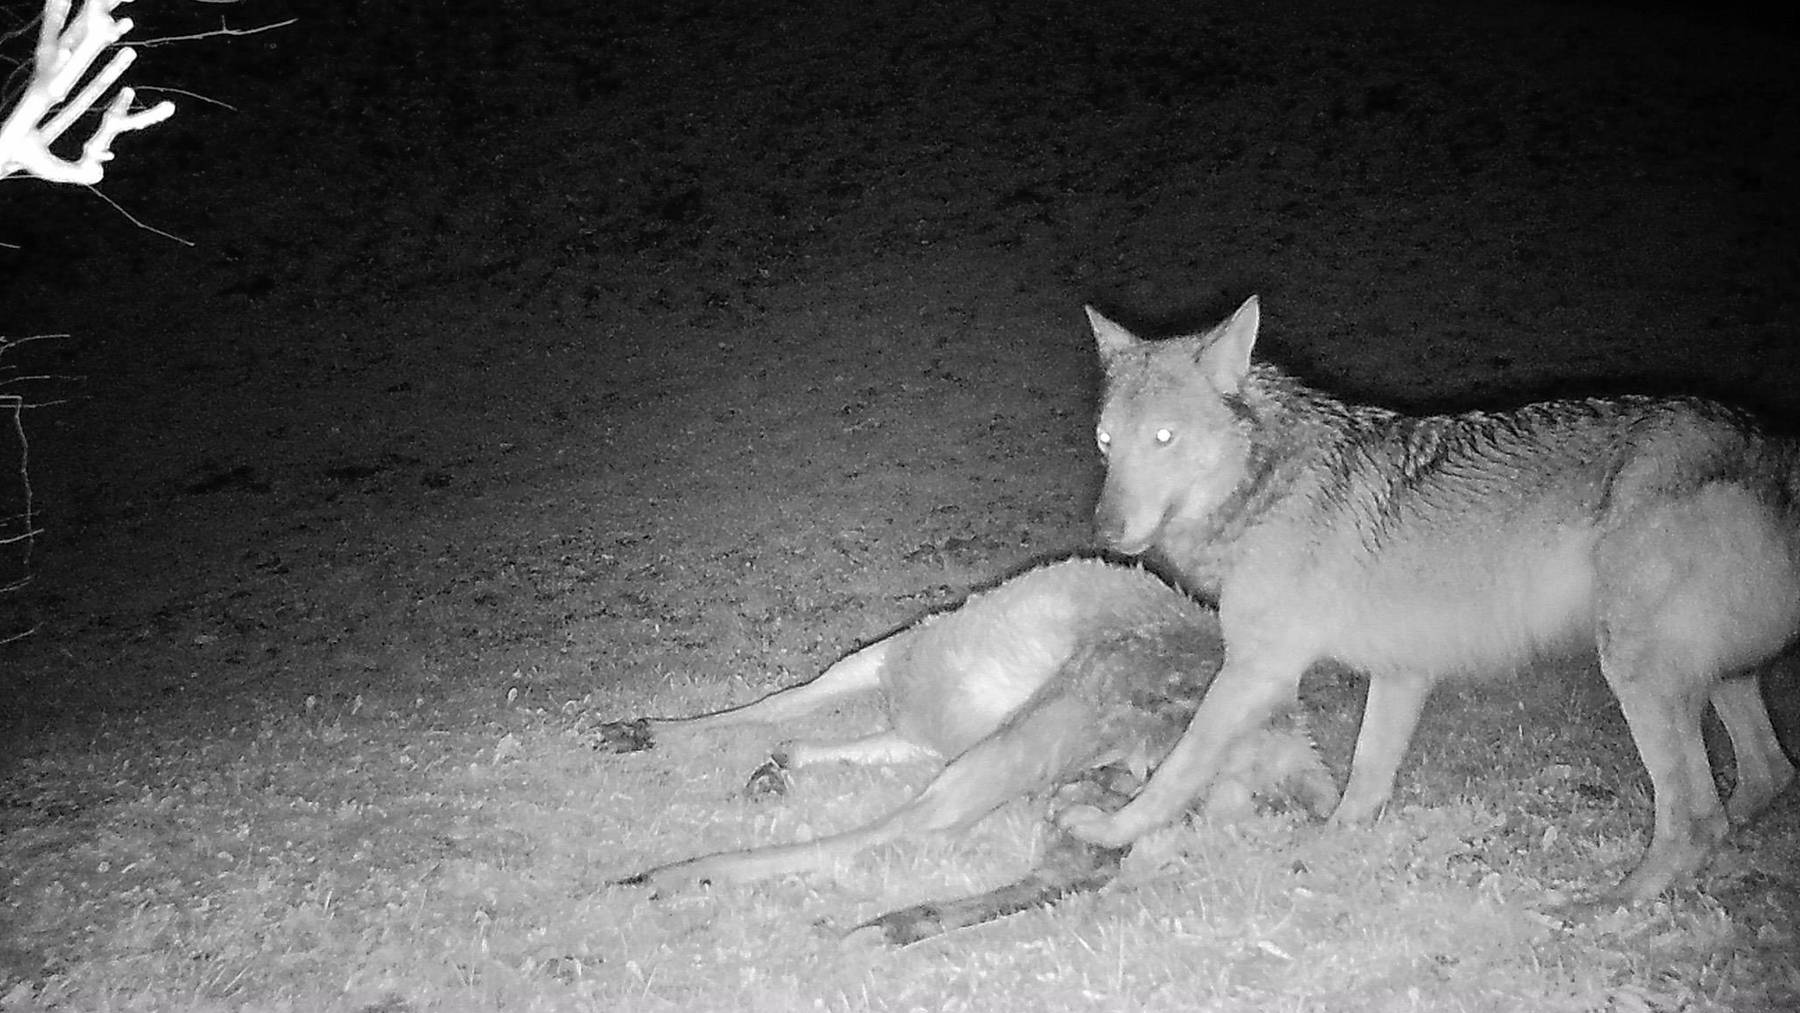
[
  {"x": 1226, "y": 358},
  {"x": 1112, "y": 339}
]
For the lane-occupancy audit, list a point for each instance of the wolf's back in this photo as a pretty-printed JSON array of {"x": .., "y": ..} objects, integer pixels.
[
  {"x": 1469, "y": 541},
  {"x": 1461, "y": 543}
]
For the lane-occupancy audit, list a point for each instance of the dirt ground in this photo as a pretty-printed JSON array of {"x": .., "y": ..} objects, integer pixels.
[{"x": 544, "y": 347}]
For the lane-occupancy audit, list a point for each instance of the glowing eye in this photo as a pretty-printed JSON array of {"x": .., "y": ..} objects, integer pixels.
[
  {"x": 1164, "y": 436},
  {"x": 1102, "y": 439}
]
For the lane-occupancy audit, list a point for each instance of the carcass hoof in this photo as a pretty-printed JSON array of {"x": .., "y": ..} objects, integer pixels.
[
  {"x": 624, "y": 736},
  {"x": 900, "y": 928},
  {"x": 771, "y": 780}
]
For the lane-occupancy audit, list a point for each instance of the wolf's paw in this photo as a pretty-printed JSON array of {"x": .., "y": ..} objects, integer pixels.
[
  {"x": 624, "y": 736},
  {"x": 1314, "y": 792},
  {"x": 1358, "y": 809},
  {"x": 771, "y": 780}
]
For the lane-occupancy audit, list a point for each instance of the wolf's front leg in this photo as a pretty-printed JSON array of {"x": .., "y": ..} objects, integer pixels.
[
  {"x": 1240, "y": 701},
  {"x": 1390, "y": 716}
]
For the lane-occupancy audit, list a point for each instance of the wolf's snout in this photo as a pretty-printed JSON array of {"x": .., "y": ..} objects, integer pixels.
[{"x": 1118, "y": 530}]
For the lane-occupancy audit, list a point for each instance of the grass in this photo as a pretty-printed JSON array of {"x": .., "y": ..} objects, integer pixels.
[{"x": 374, "y": 856}]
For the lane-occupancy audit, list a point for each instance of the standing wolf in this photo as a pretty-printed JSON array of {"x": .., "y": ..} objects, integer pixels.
[
  {"x": 1663, "y": 532},
  {"x": 1076, "y": 676}
]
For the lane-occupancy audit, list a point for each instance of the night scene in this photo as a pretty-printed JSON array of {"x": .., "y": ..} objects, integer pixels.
[{"x": 737, "y": 505}]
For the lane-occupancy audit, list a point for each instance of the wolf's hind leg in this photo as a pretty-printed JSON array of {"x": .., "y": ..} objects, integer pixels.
[
  {"x": 1763, "y": 770},
  {"x": 1664, "y": 718},
  {"x": 1654, "y": 671},
  {"x": 1690, "y": 590},
  {"x": 1067, "y": 865},
  {"x": 852, "y": 675}
]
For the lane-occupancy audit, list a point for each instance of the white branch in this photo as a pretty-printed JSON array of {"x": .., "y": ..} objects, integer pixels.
[
  {"x": 222, "y": 30},
  {"x": 66, "y": 51},
  {"x": 20, "y": 530}
]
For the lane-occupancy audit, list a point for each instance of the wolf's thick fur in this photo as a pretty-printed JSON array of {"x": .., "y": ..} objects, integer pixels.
[
  {"x": 1035, "y": 684},
  {"x": 1662, "y": 532}
]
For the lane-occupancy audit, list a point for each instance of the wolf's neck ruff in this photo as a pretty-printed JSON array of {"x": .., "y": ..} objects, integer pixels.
[{"x": 1289, "y": 431}]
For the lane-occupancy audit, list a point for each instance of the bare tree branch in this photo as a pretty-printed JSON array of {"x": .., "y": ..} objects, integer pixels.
[{"x": 66, "y": 51}]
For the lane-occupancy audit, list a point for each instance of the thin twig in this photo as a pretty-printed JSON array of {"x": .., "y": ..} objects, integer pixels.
[{"x": 223, "y": 29}]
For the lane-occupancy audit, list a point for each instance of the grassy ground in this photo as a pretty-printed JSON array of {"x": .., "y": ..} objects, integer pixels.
[
  {"x": 534, "y": 369},
  {"x": 381, "y": 856}
]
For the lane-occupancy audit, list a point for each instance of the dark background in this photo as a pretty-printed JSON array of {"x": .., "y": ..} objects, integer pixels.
[{"x": 596, "y": 339}]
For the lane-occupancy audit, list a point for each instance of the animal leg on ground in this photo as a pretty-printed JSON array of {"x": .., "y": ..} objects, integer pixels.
[
  {"x": 1390, "y": 715},
  {"x": 1026, "y": 755},
  {"x": 1687, "y": 592},
  {"x": 881, "y": 749},
  {"x": 1241, "y": 699},
  {"x": 1067, "y": 865},
  {"x": 1763, "y": 770},
  {"x": 877, "y": 750},
  {"x": 1665, "y": 724},
  {"x": 1663, "y": 701},
  {"x": 852, "y": 675}
]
